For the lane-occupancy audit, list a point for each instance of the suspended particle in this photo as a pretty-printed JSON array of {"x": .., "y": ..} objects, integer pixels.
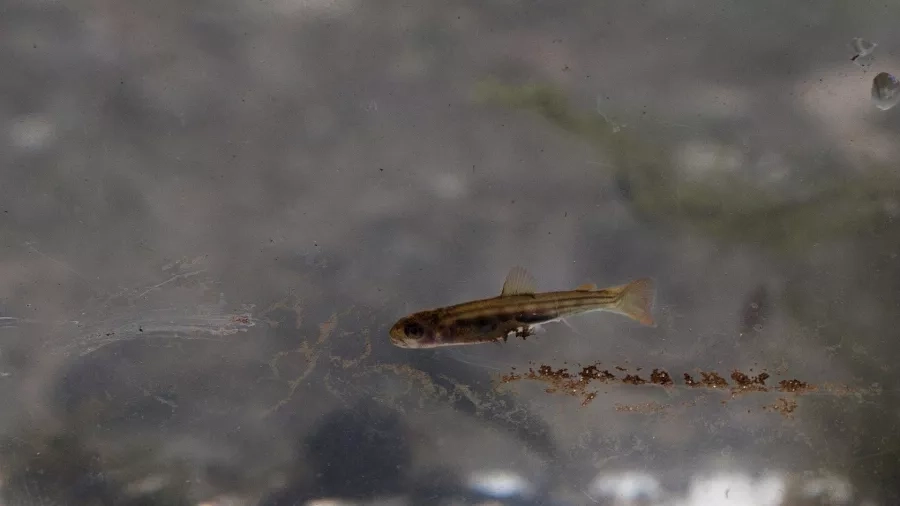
[
  {"x": 885, "y": 91},
  {"x": 755, "y": 311}
]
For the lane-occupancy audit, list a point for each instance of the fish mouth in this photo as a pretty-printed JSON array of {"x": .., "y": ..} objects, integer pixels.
[
  {"x": 400, "y": 343},
  {"x": 403, "y": 342}
]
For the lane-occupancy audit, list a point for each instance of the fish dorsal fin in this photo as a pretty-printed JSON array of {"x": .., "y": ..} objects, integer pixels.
[
  {"x": 518, "y": 282},
  {"x": 587, "y": 287}
]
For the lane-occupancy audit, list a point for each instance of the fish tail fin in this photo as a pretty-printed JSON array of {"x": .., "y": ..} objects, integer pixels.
[{"x": 636, "y": 301}]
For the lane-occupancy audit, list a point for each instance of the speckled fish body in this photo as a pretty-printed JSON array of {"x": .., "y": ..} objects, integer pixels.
[{"x": 518, "y": 311}]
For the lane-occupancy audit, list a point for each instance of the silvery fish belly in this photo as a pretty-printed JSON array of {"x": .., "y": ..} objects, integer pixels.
[{"x": 518, "y": 311}]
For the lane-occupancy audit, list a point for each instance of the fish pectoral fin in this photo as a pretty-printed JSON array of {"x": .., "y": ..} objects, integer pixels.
[
  {"x": 587, "y": 287},
  {"x": 518, "y": 282}
]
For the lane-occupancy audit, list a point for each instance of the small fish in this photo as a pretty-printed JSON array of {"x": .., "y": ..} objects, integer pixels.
[
  {"x": 519, "y": 311},
  {"x": 863, "y": 49}
]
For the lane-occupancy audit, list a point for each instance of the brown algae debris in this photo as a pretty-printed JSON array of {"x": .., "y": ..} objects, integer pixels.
[
  {"x": 784, "y": 406},
  {"x": 712, "y": 380},
  {"x": 562, "y": 380},
  {"x": 746, "y": 383},
  {"x": 591, "y": 372},
  {"x": 646, "y": 408},
  {"x": 241, "y": 319},
  {"x": 690, "y": 381},
  {"x": 633, "y": 379},
  {"x": 795, "y": 386},
  {"x": 659, "y": 377},
  {"x": 577, "y": 382}
]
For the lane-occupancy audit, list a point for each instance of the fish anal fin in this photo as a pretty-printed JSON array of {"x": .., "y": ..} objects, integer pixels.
[
  {"x": 636, "y": 301},
  {"x": 518, "y": 282},
  {"x": 586, "y": 287}
]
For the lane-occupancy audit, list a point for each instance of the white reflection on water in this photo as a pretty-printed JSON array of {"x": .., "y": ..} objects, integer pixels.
[
  {"x": 500, "y": 484},
  {"x": 627, "y": 486},
  {"x": 727, "y": 488},
  {"x": 834, "y": 489},
  {"x": 736, "y": 489}
]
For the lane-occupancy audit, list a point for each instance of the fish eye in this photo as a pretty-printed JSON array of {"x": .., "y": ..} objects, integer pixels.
[{"x": 413, "y": 329}]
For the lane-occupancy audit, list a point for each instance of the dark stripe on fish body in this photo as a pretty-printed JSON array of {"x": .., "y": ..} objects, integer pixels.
[
  {"x": 534, "y": 317},
  {"x": 485, "y": 324},
  {"x": 499, "y": 305},
  {"x": 481, "y": 324}
]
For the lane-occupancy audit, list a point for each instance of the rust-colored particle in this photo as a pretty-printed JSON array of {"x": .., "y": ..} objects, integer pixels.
[
  {"x": 556, "y": 378},
  {"x": 633, "y": 379},
  {"x": 690, "y": 381},
  {"x": 509, "y": 378},
  {"x": 546, "y": 370},
  {"x": 784, "y": 406},
  {"x": 591, "y": 372},
  {"x": 740, "y": 378},
  {"x": 588, "y": 398},
  {"x": 712, "y": 380},
  {"x": 645, "y": 408},
  {"x": 659, "y": 377},
  {"x": 241, "y": 319},
  {"x": 745, "y": 383},
  {"x": 795, "y": 386}
]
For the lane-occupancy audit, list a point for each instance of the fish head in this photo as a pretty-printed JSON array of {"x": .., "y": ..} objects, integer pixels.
[{"x": 415, "y": 331}]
